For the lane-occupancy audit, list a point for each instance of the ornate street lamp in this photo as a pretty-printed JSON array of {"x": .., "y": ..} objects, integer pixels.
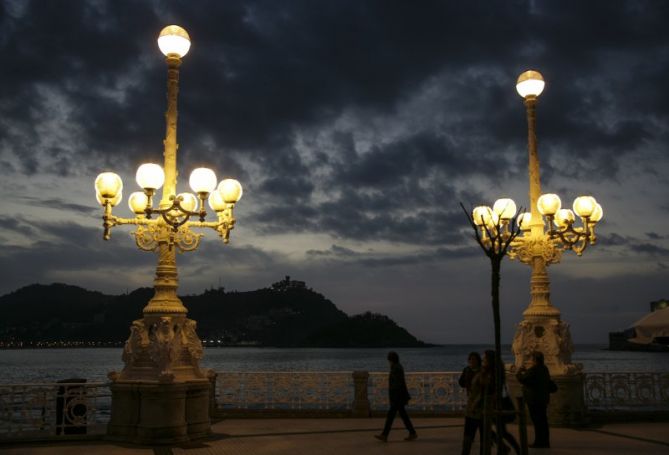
[
  {"x": 162, "y": 394},
  {"x": 546, "y": 231}
]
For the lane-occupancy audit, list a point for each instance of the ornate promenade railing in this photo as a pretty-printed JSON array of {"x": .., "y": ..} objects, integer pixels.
[
  {"x": 629, "y": 391},
  {"x": 313, "y": 390},
  {"x": 430, "y": 391},
  {"x": 334, "y": 391},
  {"x": 77, "y": 410},
  {"x": 37, "y": 411}
]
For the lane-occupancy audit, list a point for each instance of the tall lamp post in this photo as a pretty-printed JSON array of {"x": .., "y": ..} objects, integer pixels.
[
  {"x": 546, "y": 231},
  {"x": 162, "y": 394}
]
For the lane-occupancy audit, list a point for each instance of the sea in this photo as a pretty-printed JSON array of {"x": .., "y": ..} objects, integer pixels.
[{"x": 93, "y": 364}]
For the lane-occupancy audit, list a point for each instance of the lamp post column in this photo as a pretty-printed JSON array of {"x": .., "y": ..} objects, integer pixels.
[
  {"x": 165, "y": 301},
  {"x": 540, "y": 304},
  {"x": 162, "y": 395},
  {"x": 541, "y": 328}
]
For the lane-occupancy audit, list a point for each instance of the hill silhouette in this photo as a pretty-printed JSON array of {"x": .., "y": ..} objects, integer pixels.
[{"x": 287, "y": 314}]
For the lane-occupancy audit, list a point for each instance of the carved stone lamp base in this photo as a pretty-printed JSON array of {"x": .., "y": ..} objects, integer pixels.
[
  {"x": 551, "y": 336},
  {"x": 162, "y": 396},
  {"x": 159, "y": 413}
]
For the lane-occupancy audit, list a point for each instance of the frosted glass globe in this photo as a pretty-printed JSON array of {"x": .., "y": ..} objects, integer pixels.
[
  {"x": 202, "y": 180},
  {"x": 597, "y": 214},
  {"x": 216, "y": 201},
  {"x": 549, "y": 204},
  {"x": 138, "y": 201},
  {"x": 505, "y": 208},
  {"x": 231, "y": 190},
  {"x": 481, "y": 215},
  {"x": 108, "y": 185},
  {"x": 584, "y": 206},
  {"x": 530, "y": 83},
  {"x": 174, "y": 40},
  {"x": 564, "y": 217},
  {"x": 189, "y": 201},
  {"x": 524, "y": 220},
  {"x": 150, "y": 176}
]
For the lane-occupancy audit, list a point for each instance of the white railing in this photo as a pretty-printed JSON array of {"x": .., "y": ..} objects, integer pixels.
[
  {"x": 627, "y": 391},
  {"x": 335, "y": 391},
  {"x": 37, "y": 411},
  {"x": 75, "y": 410},
  {"x": 430, "y": 391},
  {"x": 298, "y": 390}
]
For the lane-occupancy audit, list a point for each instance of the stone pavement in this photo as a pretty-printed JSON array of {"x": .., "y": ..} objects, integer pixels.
[{"x": 354, "y": 436}]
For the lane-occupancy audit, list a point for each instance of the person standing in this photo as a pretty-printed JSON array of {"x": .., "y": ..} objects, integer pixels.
[
  {"x": 468, "y": 373},
  {"x": 398, "y": 395},
  {"x": 537, "y": 387}
]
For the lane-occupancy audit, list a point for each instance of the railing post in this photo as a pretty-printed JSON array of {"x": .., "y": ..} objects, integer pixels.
[
  {"x": 360, "y": 406},
  {"x": 213, "y": 405},
  {"x": 522, "y": 425}
]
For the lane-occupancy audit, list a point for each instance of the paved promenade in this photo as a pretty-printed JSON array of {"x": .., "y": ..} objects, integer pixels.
[{"x": 354, "y": 436}]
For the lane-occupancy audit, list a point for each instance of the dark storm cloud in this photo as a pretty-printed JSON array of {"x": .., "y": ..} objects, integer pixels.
[
  {"x": 63, "y": 205},
  {"x": 258, "y": 70},
  {"x": 633, "y": 245},
  {"x": 66, "y": 248},
  {"x": 372, "y": 259},
  {"x": 354, "y": 122}
]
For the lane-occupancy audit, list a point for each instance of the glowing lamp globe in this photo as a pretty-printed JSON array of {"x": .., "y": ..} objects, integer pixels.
[
  {"x": 112, "y": 201},
  {"x": 150, "y": 176},
  {"x": 524, "y": 220},
  {"x": 231, "y": 190},
  {"x": 505, "y": 208},
  {"x": 481, "y": 215},
  {"x": 584, "y": 206},
  {"x": 597, "y": 214},
  {"x": 174, "y": 40},
  {"x": 549, "y": 204},
  {"x": 530, "y": 84},
  {"x": 202, "y": 180},
  {"x": 188, "y": 201},
  {"x": 108, "y": 185},
  {"x": 564, "y": 217},
  {"x": 137, "y": 202},
  {"x": 216, "y": 201}
]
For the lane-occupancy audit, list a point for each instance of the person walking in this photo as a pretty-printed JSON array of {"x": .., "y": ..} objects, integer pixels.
[
  {"x": 398, "y": 395},
  {"x": 537, "y": 387},
  {"x": 468, "y": 373},
  {"x": 478, "y": 395},
  {"x": 501, "y": 429}
]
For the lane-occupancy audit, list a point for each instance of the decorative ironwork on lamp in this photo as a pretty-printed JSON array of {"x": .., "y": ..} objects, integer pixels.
[{"x": 175, "y": 210}]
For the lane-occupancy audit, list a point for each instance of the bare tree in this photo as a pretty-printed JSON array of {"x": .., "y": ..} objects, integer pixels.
[{"x": 495, "y": 235}]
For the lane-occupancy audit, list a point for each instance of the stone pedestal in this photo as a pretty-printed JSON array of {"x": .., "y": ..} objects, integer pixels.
[
  {"x": 145, "y": 413},
  {"x": 549, "y": 335},
  {"x": 161, "y": 396},
  {"x": 567, "y": 405}
]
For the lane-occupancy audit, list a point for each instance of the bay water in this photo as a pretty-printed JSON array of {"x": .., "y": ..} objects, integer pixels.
[{"x": 93, "y": 364}]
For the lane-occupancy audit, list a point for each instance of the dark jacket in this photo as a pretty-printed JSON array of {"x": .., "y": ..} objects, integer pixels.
[
  {"x": 481, "y": 393},
  {"x": 536, "y": 383},
  {"x": 466, "y": 377},
  {"x": 398, "y": 394}
]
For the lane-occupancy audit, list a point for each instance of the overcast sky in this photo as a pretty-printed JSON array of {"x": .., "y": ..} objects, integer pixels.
[{"x": 356, "y": 128}]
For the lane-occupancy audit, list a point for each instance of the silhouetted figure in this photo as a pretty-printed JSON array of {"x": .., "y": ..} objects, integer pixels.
[
  {"x": 537, "y": 387},
  {"x": 481, "y": 398},
  {"x": 479, "y": 386},
  {"x": 468, "y": 373},
  {"x": 508, "y": 437},
  {"x": 398, "y": 395}
]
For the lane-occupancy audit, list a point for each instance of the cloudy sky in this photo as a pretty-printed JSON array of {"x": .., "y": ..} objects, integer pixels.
[{"x": 356, "y": 128}]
